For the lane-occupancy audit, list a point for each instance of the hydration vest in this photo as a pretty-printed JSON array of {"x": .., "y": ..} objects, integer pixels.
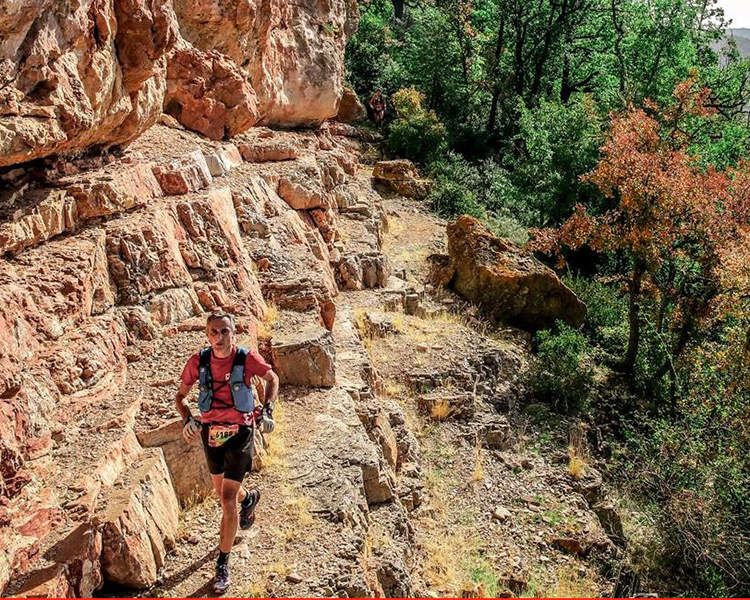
[{"x": 243, "y": 396}]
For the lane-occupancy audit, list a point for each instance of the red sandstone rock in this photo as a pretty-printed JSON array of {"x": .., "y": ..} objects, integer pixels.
[
  {"x": 113, "y": 189},
  {"x": 80, "y": 74},
  {"x": 402, "y": 176},
  {"x": 302, "y": 191},
  {"x": 306, "y": 357},
  {"x": 139, "y": 523},
  {"x": 187, "y": 174},
  {"x": 208, "y": 93},
  {"x": 100, "y": 73},
  {"x": 293, "y": 52},
  {"x": 269, "y": 151},
  {"x": 223, "y": 160}
]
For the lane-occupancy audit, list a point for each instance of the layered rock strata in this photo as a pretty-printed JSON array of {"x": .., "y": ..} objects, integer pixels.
[{"x": 131, "y": 253}]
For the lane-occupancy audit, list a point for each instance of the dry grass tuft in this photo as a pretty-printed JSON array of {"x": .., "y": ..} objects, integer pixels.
[
  {"x": 576, "y": 465},
  {"x": 569, "y": 584},
  {"x": 442, "y": 567},
  {"x": 398, "y": 322},
  {"x": 276, "y": 451},
  {"x": 577, "y": 451},
  {"x": 299, "y": 506},
  {"x": 478, "y": 473},
  {"x": 441, "y": 410},
  {"x": 395, "y": 389},
  {"x": 270, "y": 318}
]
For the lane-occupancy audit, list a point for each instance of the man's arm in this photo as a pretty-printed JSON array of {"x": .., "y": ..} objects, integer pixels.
[
  {"x": 272, "y": 388},
  {"x": 181, "y": 404}
]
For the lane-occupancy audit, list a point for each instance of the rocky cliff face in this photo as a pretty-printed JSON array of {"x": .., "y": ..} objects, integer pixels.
[
  {"x": 108, "y": 261},
  {"x": 292, "y": 53},
  {"x": 99, "y": 72}
]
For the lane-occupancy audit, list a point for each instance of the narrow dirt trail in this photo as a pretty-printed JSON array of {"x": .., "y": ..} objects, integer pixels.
[
  {"x": 295, "y": 547},
  {"x": 290, "y": 549}
]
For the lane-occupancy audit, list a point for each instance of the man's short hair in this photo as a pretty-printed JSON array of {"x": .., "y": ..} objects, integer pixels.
[{"x": 220, "y": 315}]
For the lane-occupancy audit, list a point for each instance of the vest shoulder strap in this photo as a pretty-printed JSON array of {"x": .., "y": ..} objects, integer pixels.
[
  {"x": 204, "y": 360},
  {"x": 239, "y": 357}
]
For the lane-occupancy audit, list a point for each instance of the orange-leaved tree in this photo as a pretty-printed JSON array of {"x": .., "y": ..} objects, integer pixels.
[{"x": 678, "y": 228}]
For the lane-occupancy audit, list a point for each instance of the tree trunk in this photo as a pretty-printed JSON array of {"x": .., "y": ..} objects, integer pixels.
[
  {"x": 634, "y": 323},
  {"x": 398, "y": 8},
  {"x": 492, "y": 119},
  {"x": 619, "y": 35}
]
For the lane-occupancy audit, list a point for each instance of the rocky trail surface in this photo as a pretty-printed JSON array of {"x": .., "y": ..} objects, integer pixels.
[{"x": 401, "y": 465}]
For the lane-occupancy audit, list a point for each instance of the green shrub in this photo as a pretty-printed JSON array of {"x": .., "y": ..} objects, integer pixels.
[
  {"x": 416, "y": 133},
  {"x": 455, "y": 182},
  {"x": 606, "y": 323},
  {"x": 507, "y": 227},
  {"x": 450, "y": 199},
  {"x": 561, "y": 372},
  {"x": 408, "y": 103},
  {"x": 693, "y": 471},
  {"x": 560, "y": 143}
]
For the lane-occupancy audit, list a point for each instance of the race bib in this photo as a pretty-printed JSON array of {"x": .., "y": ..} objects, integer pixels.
[{"x": 218, "y": 435}]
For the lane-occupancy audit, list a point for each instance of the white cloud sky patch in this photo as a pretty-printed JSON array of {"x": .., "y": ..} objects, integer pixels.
[{"x": 738, "y": 11}]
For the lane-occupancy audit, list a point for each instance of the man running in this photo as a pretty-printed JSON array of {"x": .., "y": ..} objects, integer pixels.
[
  {"x": 229, "y": 410},
  {"x": 377, "y": 105}
]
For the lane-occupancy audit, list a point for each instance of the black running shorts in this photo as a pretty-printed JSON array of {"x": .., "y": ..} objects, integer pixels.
[{"x": 234, "y": 457}]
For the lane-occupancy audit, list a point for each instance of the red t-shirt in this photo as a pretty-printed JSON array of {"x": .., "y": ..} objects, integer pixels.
[{"x": 222, "y": 407}]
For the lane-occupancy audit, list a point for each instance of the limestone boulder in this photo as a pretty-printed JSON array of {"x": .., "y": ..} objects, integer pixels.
[
  {"x": 269, "y": 151},
  {"x": 509, "y": 284},
  {"x": 306, "y": 357},
  {"x": 139, "y": 522},
  {"x": 402, "y": 177},
  {"x": 351, "y": 109},
  {"x": 80, "y": 74},
  {"x": 183, "y": 175},
  {"x": 208, "y": 93},
  {"x": 186, "y": 462}
]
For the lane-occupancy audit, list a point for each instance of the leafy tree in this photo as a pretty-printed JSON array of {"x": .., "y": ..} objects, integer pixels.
[{"x": 673, "y": 224}]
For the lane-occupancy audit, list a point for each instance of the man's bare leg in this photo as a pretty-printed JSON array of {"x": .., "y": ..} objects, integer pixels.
[
  {"x": 230, "y": 491},
  {"x": 217, "y": 480}
]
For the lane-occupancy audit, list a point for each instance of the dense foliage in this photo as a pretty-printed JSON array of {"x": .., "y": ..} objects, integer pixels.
[{"x": 617, "y": 133}]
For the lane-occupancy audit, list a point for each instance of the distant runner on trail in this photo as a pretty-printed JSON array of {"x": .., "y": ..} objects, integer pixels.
[
  {"x": 229, "y": 411},
  {"x": 377, "y": 104}
]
